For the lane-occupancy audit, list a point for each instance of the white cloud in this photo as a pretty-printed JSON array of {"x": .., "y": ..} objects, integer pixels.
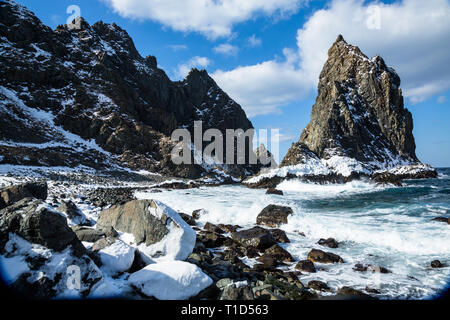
[
  {"x": 253, "y": 41},
  {"x": 442, "y": 99},
  {"x": 226, "y": 49},
  {"x": 412, "y": 37},
  {"x": 210, "y": 17},
  {"x": 178, "y": 47},
  {"x": 195, "y": 62}
]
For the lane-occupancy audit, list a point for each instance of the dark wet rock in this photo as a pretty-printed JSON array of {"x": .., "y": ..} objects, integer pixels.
[
  {"x": 279, "y": 253},
  {"x": 330, "y": 242},
  {"x": 372, "y": 290},
  {"x": 213, "y": 228},
  {"x": 229, "y": 228},
  {"x": 34, "y": 221},
  {"x": 436, "y": 264},
  {"x": 279, "y": 235},
  {"x": 250, "y": 251},
  {"x": 387, "y": 178},
  {"x": 256, "y": 237},
  {"x": 353, "y": 294},
  {"x": 135, "y": 217},
  {"x": 370, "y": 268},
  {"x": 274, "y": 191},
  {"x": 268, "y": 262},
  {"x": 274, "y": 215},
  {"x": 11, "y": 195},
  {"x": 286, "y": 289},
  {"x": 212, "y": 239},
  {"x": 189, "y": 219},
  {"x": 231, "y": 292},
  {"x": 210, "y": 293},
  {"x": 306, "y": 265},
  {"x": 323, "y": 257},
  {"x": 318, "y": 285},
  {"x": 442, "y": 219}
]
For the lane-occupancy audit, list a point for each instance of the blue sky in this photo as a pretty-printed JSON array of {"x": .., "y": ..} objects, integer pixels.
[{"x": 268, "y": 56}]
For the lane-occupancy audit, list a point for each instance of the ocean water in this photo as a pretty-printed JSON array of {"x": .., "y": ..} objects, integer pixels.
[{"x": 379, "y": 225}]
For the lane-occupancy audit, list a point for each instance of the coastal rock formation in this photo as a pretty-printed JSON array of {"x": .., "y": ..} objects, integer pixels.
[
  {"x": 85, "y": 96},
  {"x": 359, "y": 126}
]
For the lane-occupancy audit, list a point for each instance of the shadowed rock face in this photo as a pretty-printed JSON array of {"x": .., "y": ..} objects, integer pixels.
[
  {"x": 358, "y": 113},
  {"x": 92, "y": 82}
]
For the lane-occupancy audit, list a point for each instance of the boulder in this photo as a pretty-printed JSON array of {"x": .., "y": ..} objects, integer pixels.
[
  {"x": 442, "y": 219},
  {"x": 318, "y": 286},
  {"x": 330, "y": 242},
  {"x": 87, "y": 234},
  {"x": 116, "y": 256},
  {"x": 73, "y": 213},
  {"x": 213, "y": 228},
  {"x": 436, "y": 264},
  {"x": 273, "y": 216},
  {"x": 306, "y": 265},
  {"x": 323, "y": 257},
  {"x": 279, "y": 235},
  {"x": 257, "y": 237},
  {"x": 228, "y": 228},
  {"x": 10, "y": 195},
  {"x": 170, "y": 280},
  {"x": 274, "y": 191},
  {"x": 158, "y": 230},
  {"x": 211, "y": 239},
  {"x": 196, "y": 214},
  {"x": 279, "y": 254},
  {"x": 37, "y": 222},
  {"x": 353, "y": 294}
]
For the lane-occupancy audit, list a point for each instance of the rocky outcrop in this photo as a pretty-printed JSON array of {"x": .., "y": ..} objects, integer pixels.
[
  {"x": 359, "y": 126},
  {"x": 323, "y": 257},
  {"x": 36, "y": 222},
  {"x": 158, "y": 231},
  {"x": 273, "y": 216},
  {"x": 85, "y": 96},
  {"x": 10, "y": 195}
]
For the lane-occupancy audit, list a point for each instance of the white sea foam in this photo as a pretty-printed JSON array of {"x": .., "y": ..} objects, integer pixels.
[{"x": 380, "y": 233}]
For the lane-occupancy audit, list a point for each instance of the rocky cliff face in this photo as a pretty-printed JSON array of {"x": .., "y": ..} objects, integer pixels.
[
  {"x": 86, "y": 97},
  {"x": 359, "y": 111},
  {"x": 359, "y": 125}
]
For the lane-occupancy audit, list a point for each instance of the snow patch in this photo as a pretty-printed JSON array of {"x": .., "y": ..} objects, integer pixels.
[{"x": 172, "y": 280}]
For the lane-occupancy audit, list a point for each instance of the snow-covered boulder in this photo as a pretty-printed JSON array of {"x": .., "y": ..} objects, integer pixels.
[
  {"x": 170, "y": 280},
  {"x": 159, "y": 232},
  {"x": 116, "y": 256},
  {"x": 36, "y": 271}
]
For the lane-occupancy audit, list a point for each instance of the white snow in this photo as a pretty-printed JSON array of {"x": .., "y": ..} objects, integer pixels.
[
  {"x": 117, "y": 258},
  {"x": 179, "y": 241},
  {"x": 171, "y": 280}
]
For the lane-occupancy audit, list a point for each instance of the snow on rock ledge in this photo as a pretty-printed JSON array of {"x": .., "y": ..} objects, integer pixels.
[
  {"x": 170, "y": 280},
  {"x": 159, "y": 232}
]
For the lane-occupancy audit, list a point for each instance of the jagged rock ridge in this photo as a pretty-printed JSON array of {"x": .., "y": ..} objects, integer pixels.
[
  {"x": 359, "y": 125},
  {"x": 59, "y": 85}
]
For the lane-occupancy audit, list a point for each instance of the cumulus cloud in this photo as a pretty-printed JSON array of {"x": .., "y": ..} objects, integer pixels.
[
  {"x": 210, "y": 17},
  {"x": 195, "y": 62},
  {"x": 411, "y": 35},
  {"x": 226, "y": 49}
]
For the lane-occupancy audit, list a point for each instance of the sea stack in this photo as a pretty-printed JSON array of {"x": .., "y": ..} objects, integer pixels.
[{"x": 359, "y": 124}]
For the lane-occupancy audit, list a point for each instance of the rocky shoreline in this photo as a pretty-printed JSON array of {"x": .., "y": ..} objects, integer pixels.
[{"x": 130, "y": 241}]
